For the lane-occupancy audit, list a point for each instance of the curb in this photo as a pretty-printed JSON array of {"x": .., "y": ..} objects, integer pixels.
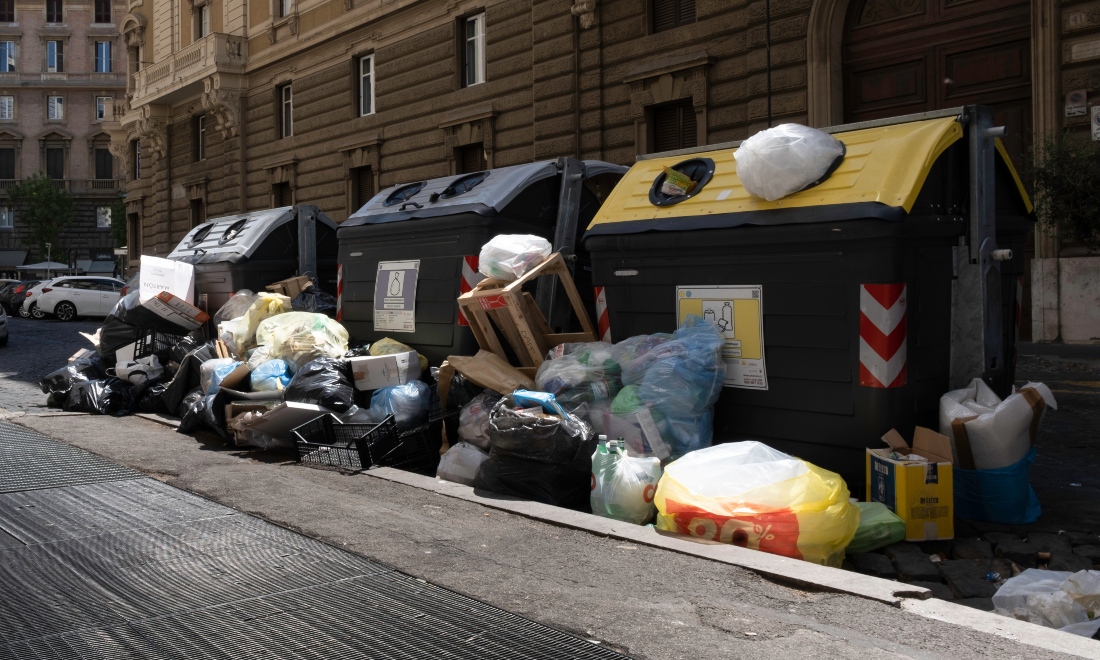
[{"x": 916, "y": 600}]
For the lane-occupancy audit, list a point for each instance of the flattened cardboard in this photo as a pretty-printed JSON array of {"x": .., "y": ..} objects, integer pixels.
[
  {"x": 281, "y": 420},
  {"x": 236, "y": 395},
  {"x": 235, "y": 377},
  {"x": 931, "y": 445},
  {"x": 373, "y": 372}
]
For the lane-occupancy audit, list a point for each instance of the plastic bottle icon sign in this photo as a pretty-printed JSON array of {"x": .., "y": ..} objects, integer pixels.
[{"x": 726, "y": 322}]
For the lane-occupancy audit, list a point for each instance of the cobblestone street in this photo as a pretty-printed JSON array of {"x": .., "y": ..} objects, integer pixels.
[{"x": 35, "y": 348}]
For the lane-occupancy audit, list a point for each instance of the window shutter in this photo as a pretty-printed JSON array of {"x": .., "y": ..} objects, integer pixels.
[
  {"x": 55, "y": 163},
  {"x": 471, "y": 158},
  {"x": 364, "y": 186},
  {"x": 7, "y": 107},
  {"x": 689, "y": 133},
  {"x": 7, "y": 11},
  {"x": 664, "y": 15},
  {"x": 7, "y": 163},
  {"x": 686, "y": 13},
  {"x": 282, "y": 195},
  {"x": 666, "y": 128},
  {"x": 104, "y": 165}
]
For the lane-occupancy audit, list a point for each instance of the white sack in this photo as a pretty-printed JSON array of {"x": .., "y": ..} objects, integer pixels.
[
  {"x": 1001, "y": 435},
  {"x": 779, "y": 161}
]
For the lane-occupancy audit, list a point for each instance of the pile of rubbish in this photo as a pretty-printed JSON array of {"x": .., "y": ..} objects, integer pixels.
[{"x": 1067, "y": 601}]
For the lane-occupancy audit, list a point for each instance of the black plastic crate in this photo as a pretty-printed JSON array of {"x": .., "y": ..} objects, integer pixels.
[
  {"x": 154, "y": 342},
  {"x": 414, "y": 451},
  {"x": 325, "y": 441}
]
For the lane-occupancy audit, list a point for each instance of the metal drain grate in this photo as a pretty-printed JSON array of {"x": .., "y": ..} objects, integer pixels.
[{"x": 30, "y": 461}]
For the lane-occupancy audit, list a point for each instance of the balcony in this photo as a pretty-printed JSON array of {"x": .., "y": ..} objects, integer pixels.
[
  {"x": 182, "y": 74},
  {"x": 6, "y": 184},
  {"x": 101, "y": 186}
]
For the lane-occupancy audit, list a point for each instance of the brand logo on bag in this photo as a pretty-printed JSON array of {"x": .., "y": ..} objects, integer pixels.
[
  {"x": 775, "y": 532},
  {"x": 882, "y": 335},
  {"x": 648, "y": 493}
]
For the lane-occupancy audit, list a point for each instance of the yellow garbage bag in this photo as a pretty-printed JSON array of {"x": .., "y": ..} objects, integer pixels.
[
  {"x": 748, "y": 494},
  {"x": 265, "y": 306},
  {"x": 387, "y": 346},
  {"x": 299, "y": 338}
]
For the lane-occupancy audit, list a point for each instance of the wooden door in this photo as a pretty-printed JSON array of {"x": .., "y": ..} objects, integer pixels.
[{"x": 906, "y": 56}]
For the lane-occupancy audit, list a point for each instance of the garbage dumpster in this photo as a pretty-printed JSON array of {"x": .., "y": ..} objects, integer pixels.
[
  {"x": 424, "y": 238},
  {"x": 848, "y": 308},
  {"x": 252, "y": 250}
]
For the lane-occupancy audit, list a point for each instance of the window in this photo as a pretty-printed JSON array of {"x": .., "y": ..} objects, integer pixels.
[
  {"x": 55, "y": 107},
  {"x": 362, "y": 183},
  {"x": 7, "y": 56},
  {"x": 103, "y": 57},
  {"x": 674, "y": 127},
  {"x": 669, "y": 14},
  {"x": 7, "y": 218},
  {"x": 7, "y": 164},
  {"x": 198, "y": 212},
  {"x": 473, "y": 50},
  {"x": 283, "y": 195},
  {"x": 101, "y": 105},
  {"x": 366, "y": 85},
  {"x": 55, "y": 163},
  {"x": 102, "y": 11},
  {"x": 284, "y": 7},
  {"x": 286, "y": 112},
  {"x": 103, "y": 217},
  {"x": 53, "y": 11},
  {"x": 470, "y": 158},
  {"x": 7, "y": 107},
  {"x": 202, "y": 22},
  {"x": 55, "y": 56},
  {"x": 198, "y": 138},
  {"x": 137, "y": 158},
  {"x": 104, "y": 164},
  {"x": 7, "y": 11}
]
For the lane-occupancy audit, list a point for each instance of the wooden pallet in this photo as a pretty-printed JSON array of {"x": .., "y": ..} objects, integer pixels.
[{"x": 519, "y": 318}]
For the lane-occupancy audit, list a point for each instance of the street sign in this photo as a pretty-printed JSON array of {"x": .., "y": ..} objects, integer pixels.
[
  {"x": 122, "y": 251},
  {"x": 1075, "y": 103}
]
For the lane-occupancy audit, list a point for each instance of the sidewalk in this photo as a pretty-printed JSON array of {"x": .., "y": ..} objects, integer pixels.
[
  {"x": 98, "y": 561},
  {"x": 645, "y": 601}
]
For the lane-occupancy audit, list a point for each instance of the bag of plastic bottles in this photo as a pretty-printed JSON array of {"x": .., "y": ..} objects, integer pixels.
[
  {"x": 408, "y": 403},
  {"x": 461, "y": 463},
  {"x": 878, "y": 528},
  {"x": 623, "y": 487},
  {"x": 263, "y": 307},
  {"x": 473, "y": 421},
  {"x": 301, "y": 337},
  {"x": 751, "y": 495},
  {"x": 270, "y": 376},
  {"x": 786, "y": 159},
  {"x": 509, "y": 256}
]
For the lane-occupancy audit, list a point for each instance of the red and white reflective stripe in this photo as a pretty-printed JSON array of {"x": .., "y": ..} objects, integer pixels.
[
  {"x": 603, "y": 321},
  {"x": 470, "y": 278},
  {"x": 339, "y": 292},
  {"x": 882, "y": 332},
  {"x": 1019, "y": 313}
]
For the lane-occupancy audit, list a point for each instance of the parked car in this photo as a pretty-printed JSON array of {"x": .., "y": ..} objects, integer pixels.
[
  {"x": 70, "y": 297},
  {"x": 29, "y": 308},
  {"x": 12, "y": 298},
  {"x": 3, "y": 327},
  {"x": 6, "y": 294}
]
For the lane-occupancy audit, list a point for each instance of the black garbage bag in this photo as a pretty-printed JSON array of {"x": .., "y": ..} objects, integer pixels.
[
  {"x": 127, "y": 322},
  {"x": 187, "y": 376},
  {"x": 567, "y": 486},
  {"x": 316, "y": 301},
  {"x": 326, "y": 382},
  {"x": 183, "y": 347},
  {"x": 542, "y": 438},
  {"x": 187, "y": 401},
  {"x": 207, "y": 414},
  {"x": 358, "y": 351},
  {"x": 149, "y": 396},
  {"x": 78, "y": 371},
  {"x": 109, "y": 396}
]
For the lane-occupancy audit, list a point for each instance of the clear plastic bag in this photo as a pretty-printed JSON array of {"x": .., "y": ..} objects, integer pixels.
[
  {"x": 258, "y": 356},
  {"x": 509, "y": 256},
  {"x": 263, "y": 307},
  {"x": 235, "y": 307},
  {"x": 1002, "y": 433},
  {"x": 271, "y": 376},
  {"x": 878, "y": 528},
  {"x": 751, "y": 495},
  {"x": 473, "y": 421},
  {"x": 225, "y": 333},
  {"x": 543, "y": 437},
  {"x": 779, "y": 161},
  {"x": 301, "y": 337},
  {"x": 220, "y": 372},
  {"x": 408, "y": 403},
  {"x": 461, "y": 463},
  {"x": 1084, "y": 588},
  {"x": 623, "y": 487},
  {"x": 206, "y": 371},
  {"x": 1055, "y": 599}
]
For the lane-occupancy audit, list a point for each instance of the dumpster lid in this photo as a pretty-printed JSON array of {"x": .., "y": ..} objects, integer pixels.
[
  {"x": 885, "y": 167},
  {"x": 484, "y": 193},
  {"x": 234, "y": 237}
]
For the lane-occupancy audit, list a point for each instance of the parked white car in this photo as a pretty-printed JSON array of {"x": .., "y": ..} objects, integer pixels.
[{"x": 70, "y": 297}]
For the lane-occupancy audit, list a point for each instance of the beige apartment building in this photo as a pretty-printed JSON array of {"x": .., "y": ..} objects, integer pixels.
[
  {"x": 233, "y": 105},
  {"x": 61, "y": 71}
]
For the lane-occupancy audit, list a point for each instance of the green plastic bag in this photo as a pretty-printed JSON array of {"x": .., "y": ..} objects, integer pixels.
[{"x": 878, "y": 527}]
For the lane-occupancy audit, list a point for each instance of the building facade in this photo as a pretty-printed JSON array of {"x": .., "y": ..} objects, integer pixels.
[
  {"x": 61, "y": 72},
  {"x": 234, "y": 106}
]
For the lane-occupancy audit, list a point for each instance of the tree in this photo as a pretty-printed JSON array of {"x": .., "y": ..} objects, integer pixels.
[
  {"x": 118, "y": 219},
  {"x": 47, "y": 209},
  {"x": 1065, "y": 186}
]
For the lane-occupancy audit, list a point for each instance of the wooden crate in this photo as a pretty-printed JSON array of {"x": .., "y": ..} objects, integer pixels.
[
  {"x": 519, "y": 318},
  {"x": 290, "y": 287}
]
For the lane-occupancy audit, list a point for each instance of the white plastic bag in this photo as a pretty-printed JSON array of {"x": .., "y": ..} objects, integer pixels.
[
  {"x": 206, "y": 371},
  {"x": 508, "y": 256},
  {"x": 782, "y": 160},
  {"x": 460, "y": 464},
  {"x": 623, "y": 486},
  {"x": 473, "y": 421},
  {"x": 1001, "y": 434},
  {"x": 1084, "y": 588},
  {"x": 138, "y": 371}
]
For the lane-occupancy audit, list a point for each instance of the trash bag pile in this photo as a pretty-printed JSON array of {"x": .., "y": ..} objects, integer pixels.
[{"x": 1067, "y": 601}]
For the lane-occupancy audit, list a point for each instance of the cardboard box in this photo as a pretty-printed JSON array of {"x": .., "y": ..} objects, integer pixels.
[
  {"x": 166, "y": 276},
  {"x": 377, "y": 371},
  {"x": 920, "y": 492},
  {"x": 281, "y": 420},
  {"x": 290, "y": 287}
]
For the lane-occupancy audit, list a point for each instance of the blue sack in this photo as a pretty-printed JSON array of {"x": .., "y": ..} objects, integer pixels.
[
  {"x": 997, "y": 496},
  {"x": 271, "y": 376}
]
